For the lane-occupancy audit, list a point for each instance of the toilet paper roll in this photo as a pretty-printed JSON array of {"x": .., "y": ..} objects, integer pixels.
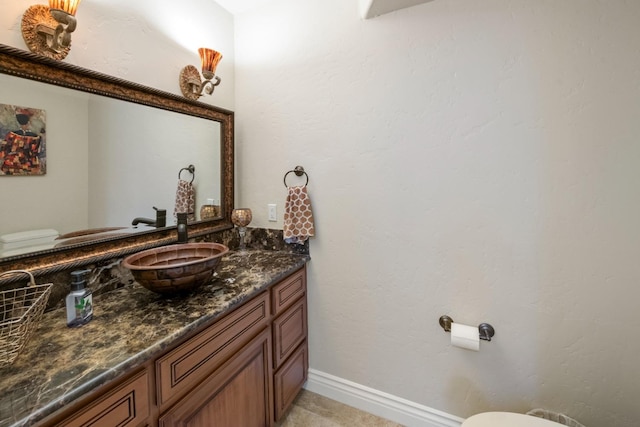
[{"x": 465, "y": 336}]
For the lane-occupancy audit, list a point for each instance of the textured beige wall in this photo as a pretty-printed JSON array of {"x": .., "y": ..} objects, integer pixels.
[{"x": 476, "y": 159}]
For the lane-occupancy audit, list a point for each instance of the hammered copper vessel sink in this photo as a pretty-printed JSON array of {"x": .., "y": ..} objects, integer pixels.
[{"x": 175, "y": 268}]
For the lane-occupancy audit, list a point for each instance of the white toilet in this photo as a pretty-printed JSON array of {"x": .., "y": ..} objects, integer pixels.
[{"x": 507, "y": 419}]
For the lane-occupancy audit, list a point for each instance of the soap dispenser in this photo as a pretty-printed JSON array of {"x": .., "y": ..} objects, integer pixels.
[{"x": 79, "y": 301}]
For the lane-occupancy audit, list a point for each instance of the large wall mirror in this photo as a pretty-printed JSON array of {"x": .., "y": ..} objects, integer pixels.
[{"x": 114, "y": 151}]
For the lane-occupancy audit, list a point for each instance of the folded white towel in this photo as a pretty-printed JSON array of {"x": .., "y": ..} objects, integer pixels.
[{"x": 298, "y": 217}]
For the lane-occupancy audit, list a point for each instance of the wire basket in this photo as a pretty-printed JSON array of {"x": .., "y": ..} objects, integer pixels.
[{"x": 20, "y": 312}]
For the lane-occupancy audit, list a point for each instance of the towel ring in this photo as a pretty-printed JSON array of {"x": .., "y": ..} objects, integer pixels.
[
  {"x": 191, "y": 169},
  {"x": 299, "y": 171}
]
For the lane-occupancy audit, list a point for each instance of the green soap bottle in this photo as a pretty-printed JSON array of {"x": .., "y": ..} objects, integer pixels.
[{"x": 79, "y": 301}]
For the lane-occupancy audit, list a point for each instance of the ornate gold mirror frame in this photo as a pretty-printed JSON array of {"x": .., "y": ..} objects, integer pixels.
[{"x": 29, "y": 66}]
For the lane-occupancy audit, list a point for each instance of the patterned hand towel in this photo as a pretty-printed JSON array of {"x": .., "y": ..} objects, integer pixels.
[
  {"x": 185, "y": 200},
  {"x": 298, "y": 218}
]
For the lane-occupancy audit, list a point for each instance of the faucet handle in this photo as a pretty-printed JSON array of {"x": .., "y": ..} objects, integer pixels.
[
  {"x": 183, "y": 236},
  {"x": 161, "y": 217}
]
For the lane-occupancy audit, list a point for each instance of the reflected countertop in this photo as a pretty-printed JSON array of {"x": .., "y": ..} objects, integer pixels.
[{"x": 131, "y": 325}]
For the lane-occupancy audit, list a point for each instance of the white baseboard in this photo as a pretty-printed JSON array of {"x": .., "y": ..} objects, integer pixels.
[{"x": 382, "y": 404}]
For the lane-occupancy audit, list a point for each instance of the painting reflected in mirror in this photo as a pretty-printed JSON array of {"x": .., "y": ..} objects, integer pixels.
[{"x": 22, "y": 141}]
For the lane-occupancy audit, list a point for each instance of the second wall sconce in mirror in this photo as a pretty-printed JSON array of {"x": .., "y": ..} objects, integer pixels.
[
  {"x": 191, "y": 85},
  {"x": 47, "y": 30}
]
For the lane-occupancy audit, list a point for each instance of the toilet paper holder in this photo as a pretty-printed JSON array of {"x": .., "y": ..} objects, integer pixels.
[{"x": 485, "y": 330}]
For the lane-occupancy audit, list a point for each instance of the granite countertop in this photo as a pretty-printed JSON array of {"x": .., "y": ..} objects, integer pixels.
[{"x": 131, "y": 325}]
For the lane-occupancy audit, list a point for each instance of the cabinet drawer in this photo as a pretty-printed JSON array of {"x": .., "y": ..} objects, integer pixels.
[
  {"x": 127, "y": 405},
  {"x": 288, "y": 291},
  {"x": 289, "y": 330},
  {"x": 289, "y": 379},
  {"x": 181, "y": 369}
]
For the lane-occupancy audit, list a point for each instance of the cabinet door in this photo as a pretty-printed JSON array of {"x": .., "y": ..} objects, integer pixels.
[
  {"x": 289, "y": 380},
  {"x": 237, "y": 394}
]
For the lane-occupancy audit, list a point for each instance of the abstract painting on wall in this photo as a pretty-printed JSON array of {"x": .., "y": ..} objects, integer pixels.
[{"x": 22, "y": 141}]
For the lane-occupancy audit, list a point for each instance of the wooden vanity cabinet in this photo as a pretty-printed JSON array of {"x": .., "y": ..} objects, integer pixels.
[{"x": 245, "y": 369}]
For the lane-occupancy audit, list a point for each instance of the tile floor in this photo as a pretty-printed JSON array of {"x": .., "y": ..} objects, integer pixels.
[{"x": 312, "y": 410}]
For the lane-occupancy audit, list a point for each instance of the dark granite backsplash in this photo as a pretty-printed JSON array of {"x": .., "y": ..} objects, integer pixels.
[
  {"x": 110, "y": 275},
  {"x": 259, "y": 238}
]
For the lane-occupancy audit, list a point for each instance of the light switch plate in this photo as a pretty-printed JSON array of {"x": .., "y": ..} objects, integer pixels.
[{"x": 273, "y": 215}]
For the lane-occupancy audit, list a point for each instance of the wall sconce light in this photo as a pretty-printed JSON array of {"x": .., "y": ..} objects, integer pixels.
[
  {"x": 47, "y": 30},
  {"x": 190, "y": 83}
]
